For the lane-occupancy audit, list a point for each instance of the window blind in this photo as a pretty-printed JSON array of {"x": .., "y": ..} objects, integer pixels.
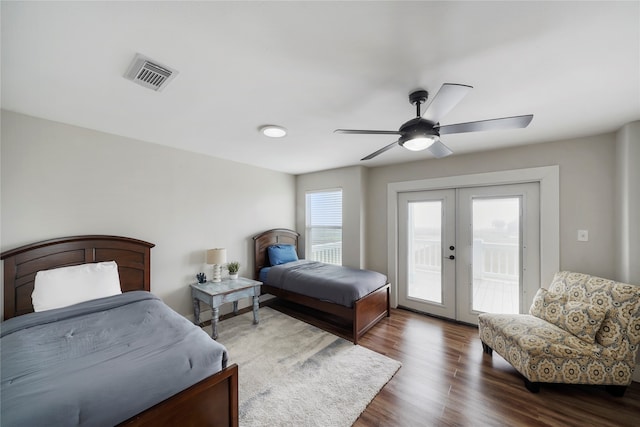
[{"x": 324, "y": 226}]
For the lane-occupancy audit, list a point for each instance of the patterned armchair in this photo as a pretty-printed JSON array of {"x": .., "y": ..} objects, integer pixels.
[{"x": 583, "y": 330}]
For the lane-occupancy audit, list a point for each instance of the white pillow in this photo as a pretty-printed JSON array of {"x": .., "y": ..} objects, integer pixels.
[{"x": 61, "y": 287}]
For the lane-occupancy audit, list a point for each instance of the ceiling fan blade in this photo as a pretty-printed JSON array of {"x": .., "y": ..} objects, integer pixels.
[
  {"x": 439, "y": 150},
  {"x": 449, "y": 95},
  {"x": 368, "y": 132},
  {"x": 380, "y": 151},
  {"x": 491, "y": 124}
]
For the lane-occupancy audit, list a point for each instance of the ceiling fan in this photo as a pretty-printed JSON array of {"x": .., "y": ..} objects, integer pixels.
[{"x": 424, "y": 131}]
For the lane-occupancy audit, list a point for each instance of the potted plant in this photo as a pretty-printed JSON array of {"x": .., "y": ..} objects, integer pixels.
[{"x": 233, "y": 268}]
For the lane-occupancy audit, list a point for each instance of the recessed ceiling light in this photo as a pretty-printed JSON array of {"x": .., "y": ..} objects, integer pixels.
[{"x": 273, "y": 131}]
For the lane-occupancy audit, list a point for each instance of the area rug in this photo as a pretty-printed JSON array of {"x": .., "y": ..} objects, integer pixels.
[{"x": 294, "y": 374}]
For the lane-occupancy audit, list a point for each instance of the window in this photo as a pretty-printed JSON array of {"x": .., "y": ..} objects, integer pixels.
[{"x": 324, "y": 226}]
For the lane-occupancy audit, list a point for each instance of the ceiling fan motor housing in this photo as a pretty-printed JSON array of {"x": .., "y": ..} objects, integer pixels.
[{"x": 417, "y": 128}]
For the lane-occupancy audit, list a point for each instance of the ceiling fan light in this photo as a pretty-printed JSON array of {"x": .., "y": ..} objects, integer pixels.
[
  {"x": 273, "y": 131},
  {"x": 420, "y": 143}
]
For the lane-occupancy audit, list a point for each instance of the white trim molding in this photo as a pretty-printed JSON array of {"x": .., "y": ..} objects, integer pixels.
[{"x": 547, "y": 176}]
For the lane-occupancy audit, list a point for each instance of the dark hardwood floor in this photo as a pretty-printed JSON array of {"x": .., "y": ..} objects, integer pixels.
[{"x": 446, "y": 380}]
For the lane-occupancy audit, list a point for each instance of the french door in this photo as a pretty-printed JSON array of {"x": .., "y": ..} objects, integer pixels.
[
  {"x": 427, "y": 243},
  {"x": 470, "y": 250}
]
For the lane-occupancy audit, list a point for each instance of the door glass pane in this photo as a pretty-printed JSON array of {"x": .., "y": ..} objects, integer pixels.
[
  {"x": 496, "y": 255},
  {"x": 425, "y": 251}
]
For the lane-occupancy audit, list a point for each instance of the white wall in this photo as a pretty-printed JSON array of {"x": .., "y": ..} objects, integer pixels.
[
  {"x": 60, "y": 180},
  {"x": 352, "y": 181}
]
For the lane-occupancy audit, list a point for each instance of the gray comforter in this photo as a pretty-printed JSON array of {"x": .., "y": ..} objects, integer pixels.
[
  {"x": 327, "y": 282},
  {"x": 100, "y": 362}
]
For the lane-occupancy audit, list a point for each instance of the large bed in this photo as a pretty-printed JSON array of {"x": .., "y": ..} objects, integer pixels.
[
  {"x": 124, "y": 359},
  {"x": 361, "y": 309}
]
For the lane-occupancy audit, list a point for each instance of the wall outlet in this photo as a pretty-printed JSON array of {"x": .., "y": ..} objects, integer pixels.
[{"x": 583, "y": 235}]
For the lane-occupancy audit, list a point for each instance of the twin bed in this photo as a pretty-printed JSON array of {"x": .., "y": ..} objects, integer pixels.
[
  {"x": 128, "y": 359},
  {"x": 358, "y": 297},
  {"x": 124, "y": 359}
]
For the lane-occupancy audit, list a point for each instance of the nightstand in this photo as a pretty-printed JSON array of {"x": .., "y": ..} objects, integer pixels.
[{"x": 217, "y": 293}]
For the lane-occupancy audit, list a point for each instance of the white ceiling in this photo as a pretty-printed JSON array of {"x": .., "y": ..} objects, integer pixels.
[{"x": 313, "y": 67}]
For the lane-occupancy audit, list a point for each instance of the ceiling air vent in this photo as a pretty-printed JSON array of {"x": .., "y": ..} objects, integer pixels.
[{"x": 149, "y": 73}]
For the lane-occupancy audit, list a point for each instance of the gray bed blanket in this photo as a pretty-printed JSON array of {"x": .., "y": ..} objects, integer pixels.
[
  {"x": 100, "y": 362},
  {"x": 327, "y": 282}
]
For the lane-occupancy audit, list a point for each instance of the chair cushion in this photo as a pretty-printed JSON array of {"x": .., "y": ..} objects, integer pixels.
[
  {"x": 536, "y": 337},
  {"x": 621, "y": 327},
  {"x": 576, "y": 317}
]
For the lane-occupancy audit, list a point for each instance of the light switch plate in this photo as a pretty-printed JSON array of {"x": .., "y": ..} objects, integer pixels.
[{"x": 583, "y": 235}]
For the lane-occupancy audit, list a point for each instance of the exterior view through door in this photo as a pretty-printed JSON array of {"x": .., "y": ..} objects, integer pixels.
[{"x": 470, "y": 250}]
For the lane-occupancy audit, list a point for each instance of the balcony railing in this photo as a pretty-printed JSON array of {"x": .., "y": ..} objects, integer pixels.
[
  {"x": 499, "y": 261},
  {"x": 427, "y": 255},
  {"x": 331, "y": 253},
  {"x": 496, "y": 260}
]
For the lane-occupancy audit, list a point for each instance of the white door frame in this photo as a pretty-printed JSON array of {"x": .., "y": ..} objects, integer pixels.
[{"x": 547, "y": 176}]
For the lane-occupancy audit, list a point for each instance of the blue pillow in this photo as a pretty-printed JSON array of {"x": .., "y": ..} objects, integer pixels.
[{"x": 280, "y": 254}]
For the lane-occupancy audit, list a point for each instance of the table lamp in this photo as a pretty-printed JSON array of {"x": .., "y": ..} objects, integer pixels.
[{"x": 217, "y": 257}]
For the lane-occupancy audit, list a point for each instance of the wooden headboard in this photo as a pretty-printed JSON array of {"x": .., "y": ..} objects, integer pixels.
[
  {"x": 272, "y": 237},
  {"x": 21, "y": 264}
]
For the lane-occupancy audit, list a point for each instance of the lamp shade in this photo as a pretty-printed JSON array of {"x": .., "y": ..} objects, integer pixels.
[{"x": 217, "y": 256}]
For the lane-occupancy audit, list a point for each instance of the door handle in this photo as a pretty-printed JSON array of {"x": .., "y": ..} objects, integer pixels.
[{"x": 452, "y": 257}]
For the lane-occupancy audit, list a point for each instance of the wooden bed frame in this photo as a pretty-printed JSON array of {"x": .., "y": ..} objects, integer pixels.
[
  {"x": 212, "y": 402},
  {"x": 365, "y": 313}
]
